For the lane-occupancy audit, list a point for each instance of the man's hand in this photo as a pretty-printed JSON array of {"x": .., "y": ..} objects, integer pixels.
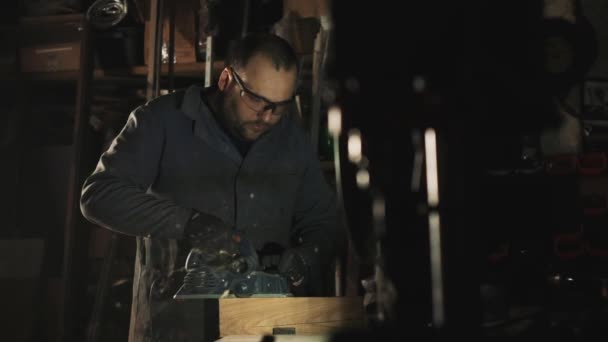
[
  {"x": 216, "y": 240},
  {"x": 293, "y": 266},
  {"x": 247, "y": 259}
]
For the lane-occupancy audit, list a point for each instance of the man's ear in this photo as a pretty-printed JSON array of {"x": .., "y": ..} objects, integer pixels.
[{"x": 224, "y": 79}]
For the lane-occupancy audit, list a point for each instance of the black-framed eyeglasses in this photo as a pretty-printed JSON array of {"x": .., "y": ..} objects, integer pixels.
[{"x": 259, "y": 103}]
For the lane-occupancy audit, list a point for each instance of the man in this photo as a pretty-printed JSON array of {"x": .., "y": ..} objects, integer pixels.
[{"x": 202, "y": 166}]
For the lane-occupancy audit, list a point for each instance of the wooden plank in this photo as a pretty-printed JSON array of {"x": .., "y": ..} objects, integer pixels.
[
  {"x": 308, "y": 315},
  {"x": 299, "y": 329}
]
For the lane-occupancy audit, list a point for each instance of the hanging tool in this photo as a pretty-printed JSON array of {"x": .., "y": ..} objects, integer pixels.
[{"x": 103, "y": 14}]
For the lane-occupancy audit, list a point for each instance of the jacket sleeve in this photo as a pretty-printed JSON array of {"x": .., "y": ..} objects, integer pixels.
[
  {"x": 315, "y": 225},
  {"x": 116, "y": 195}
]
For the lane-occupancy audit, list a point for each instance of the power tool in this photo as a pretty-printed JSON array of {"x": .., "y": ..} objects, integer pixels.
[{"x": 224, "y": 276}]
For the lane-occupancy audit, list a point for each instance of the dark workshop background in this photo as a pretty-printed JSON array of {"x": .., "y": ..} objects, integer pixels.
[{"x": 522, "y": 149}]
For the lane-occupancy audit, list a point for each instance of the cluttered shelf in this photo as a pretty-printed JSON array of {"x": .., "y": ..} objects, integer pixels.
[{"x": 186, "y": 70}]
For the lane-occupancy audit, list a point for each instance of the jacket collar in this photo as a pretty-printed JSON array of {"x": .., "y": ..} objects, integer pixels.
[
  {"x": 192, "y": 102},
  {"x": 207, "y": 129},
  {"x": 205, "y": 125}
]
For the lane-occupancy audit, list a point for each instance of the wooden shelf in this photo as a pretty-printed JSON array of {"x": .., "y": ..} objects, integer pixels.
[
  {"x": 14, "y": 76},
  {"x": 187, "y": 70},
  {"x": 179, "y": 70},
  {"x": 70, "y": 75}
]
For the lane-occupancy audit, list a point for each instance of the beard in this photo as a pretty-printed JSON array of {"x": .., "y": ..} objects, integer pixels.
[{"x": 242, "y": 129}]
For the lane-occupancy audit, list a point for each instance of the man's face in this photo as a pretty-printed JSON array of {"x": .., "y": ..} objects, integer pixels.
[{"x": 256, "y": 97}]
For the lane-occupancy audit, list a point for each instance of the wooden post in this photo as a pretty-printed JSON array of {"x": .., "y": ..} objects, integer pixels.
[
  {"x": 154, "y": 56},
  {"x": 73, "y": 258}
]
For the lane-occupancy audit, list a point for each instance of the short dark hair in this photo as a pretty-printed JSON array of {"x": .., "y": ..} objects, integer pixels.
[{"x": 270, "y": 45}]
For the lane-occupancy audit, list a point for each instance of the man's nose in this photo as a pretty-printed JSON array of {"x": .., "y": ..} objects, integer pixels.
[{"x": 266, "y": 114}]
